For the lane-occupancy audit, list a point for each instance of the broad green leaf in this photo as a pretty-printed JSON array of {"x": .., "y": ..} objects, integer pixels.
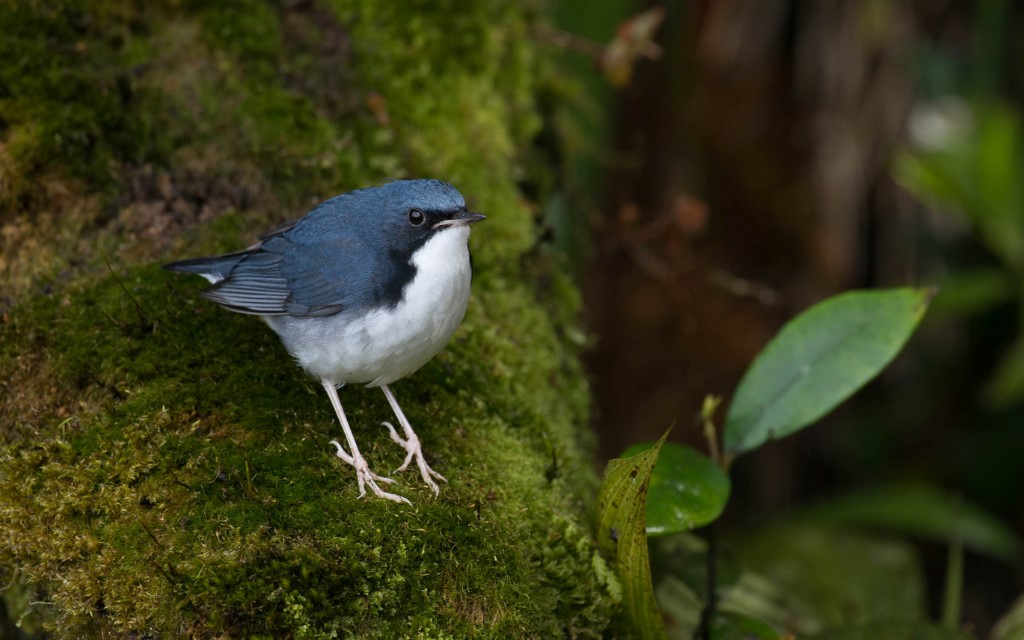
[
  {"x": 919, "y": 510},
  {"x": 621, "y": 536},
  {"x": 687, "y": 489},
  {"x": 819, "y": 359}
]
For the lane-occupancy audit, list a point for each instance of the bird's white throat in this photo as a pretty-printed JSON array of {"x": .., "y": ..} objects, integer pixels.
[{"x": 388, "y": 344}]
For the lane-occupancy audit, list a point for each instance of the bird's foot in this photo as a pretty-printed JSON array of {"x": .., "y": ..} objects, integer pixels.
[
  {"x": 365, "y": 477},
  {"x": 411, "y": 444}
]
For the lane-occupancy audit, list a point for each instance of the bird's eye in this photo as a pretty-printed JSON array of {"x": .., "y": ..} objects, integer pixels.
[{"x": 416, "y": 217}]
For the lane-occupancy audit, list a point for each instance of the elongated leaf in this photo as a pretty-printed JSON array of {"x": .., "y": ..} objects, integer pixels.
[
  {"x": 819, "y": 359},
  {"x": 921, "y": 511},
  {"x": 621, "y": 536},
  {"x": 687, "y": 490}
]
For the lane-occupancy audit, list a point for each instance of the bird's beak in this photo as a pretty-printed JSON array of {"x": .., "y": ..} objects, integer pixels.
[{"x": 461, "y": 219}]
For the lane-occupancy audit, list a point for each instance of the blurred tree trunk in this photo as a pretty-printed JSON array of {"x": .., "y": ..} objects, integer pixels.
[{"x": 756, "y": 185}]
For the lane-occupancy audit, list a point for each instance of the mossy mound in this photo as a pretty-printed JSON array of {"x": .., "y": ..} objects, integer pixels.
[{"x": 165, "y": 470}]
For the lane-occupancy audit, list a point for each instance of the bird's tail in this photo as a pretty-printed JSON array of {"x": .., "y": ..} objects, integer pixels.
[{"x": 213, "y": 268}]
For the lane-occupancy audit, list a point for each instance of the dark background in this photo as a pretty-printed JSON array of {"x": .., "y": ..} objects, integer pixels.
[{"x": 751, "y": 173}]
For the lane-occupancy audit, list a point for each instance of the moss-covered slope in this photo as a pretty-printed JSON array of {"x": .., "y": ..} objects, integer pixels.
[{"x": 165, "y": 470}]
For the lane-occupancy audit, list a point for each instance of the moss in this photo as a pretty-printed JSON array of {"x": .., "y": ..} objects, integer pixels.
[
  {"x": 165, "y": 468},
  {"x": 67, "y": 98},
  {"x": 183, "y": 478}
]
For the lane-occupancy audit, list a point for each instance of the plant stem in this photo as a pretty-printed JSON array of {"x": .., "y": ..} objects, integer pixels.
[
  {"x": 952, "y": 600},
  {"x": 711, "y": 603}
]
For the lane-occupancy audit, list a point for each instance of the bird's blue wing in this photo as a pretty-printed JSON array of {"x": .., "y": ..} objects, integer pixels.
[
  {"x": 254, "y": 285},
  {"x": 337, "y": 273},
  {"x": 302, "y": 274}
]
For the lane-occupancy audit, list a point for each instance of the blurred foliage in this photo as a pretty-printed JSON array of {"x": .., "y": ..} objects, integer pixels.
[
  {"x": 1011, "y": 626},
  {"x": 850, "y": 565},
  {"x": 817, "y": 573},
  {"x": 970, "y": 161},
  {"x": 918, "y": 510}
]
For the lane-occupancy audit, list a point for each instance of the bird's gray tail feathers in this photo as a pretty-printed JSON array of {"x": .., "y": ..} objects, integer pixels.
[{"x": 213, "y": 268}]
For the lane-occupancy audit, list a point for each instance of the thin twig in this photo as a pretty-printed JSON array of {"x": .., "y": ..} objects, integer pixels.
[{"x": 143, "y": 318}]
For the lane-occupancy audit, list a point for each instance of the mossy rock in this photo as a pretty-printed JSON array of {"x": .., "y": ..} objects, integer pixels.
[{"x": 165, "y": 468}]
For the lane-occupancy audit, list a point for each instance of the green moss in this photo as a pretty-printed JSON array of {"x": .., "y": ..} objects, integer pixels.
[
  {"x": 67, "y": 99},
  {"x": 197, "y": 476},
  {"x": 165, "y": 467}
]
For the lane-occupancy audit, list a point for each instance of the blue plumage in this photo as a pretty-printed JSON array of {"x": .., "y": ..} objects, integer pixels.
[{"x": 365, "y": 288}]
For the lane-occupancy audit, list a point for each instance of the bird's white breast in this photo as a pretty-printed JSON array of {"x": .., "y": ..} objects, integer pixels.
[{"x": 388, "y": 344}]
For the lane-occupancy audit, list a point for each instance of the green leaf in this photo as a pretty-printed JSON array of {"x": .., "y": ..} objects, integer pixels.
[
  {"x": 1011, "y": 625},
  {"x": 687, "y": 489},
  {"x": 975, "y": 173},
  {"x": 890, "y": 631},
  {"x": 1006, "y": 385},
  {"x": 827, "y": 578},
  {"x": 974, "y": 291},
  {"x": 678, "y": 564},
  {"x": 819, "y": 359},
  {"x": 953, "y": 593},
  {"x": 919, "y": 510},
  {"x": 681, "y": 605},
  {"x": 734, "y": 626},
  {"x": 621, "y": 536}
]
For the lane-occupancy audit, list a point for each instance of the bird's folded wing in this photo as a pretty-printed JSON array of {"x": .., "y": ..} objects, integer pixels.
[
  {"x": 278, "y": 277},
  {"x": 255, "y": 285}
]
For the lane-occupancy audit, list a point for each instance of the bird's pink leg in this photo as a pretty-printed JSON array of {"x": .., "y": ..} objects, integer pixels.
[
  {"x": 410, "y": 443},
  {"x": 363, "y": 473}
]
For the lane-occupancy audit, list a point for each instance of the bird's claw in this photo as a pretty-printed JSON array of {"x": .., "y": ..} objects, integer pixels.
[
  {"x": 367, "y": 477},
  {"x": 414, "y": 451}
]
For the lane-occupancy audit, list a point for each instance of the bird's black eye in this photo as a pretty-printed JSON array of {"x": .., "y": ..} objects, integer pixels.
[{"x": 416, "y": 217}]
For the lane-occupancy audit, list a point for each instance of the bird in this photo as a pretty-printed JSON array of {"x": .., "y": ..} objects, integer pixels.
[{"x": 365, "y": 288}]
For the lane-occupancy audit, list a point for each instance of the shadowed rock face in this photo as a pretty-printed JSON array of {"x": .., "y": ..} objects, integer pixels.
[{"x": 164, "y": 468}]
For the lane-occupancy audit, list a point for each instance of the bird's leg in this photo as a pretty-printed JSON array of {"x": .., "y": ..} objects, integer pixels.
[
  {"x": 410, "y": 443},
  {"x": 363, "y": 473}
]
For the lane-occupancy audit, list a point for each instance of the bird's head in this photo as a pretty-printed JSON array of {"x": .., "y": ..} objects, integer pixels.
[{"x": 412, "y": 212}]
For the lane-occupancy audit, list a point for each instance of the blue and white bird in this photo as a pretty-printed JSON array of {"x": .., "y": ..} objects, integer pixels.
[{"x": 364, "y": 289}]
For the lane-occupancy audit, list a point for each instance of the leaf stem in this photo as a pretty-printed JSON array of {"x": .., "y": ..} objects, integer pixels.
[{"x": 707, "y": 416}]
